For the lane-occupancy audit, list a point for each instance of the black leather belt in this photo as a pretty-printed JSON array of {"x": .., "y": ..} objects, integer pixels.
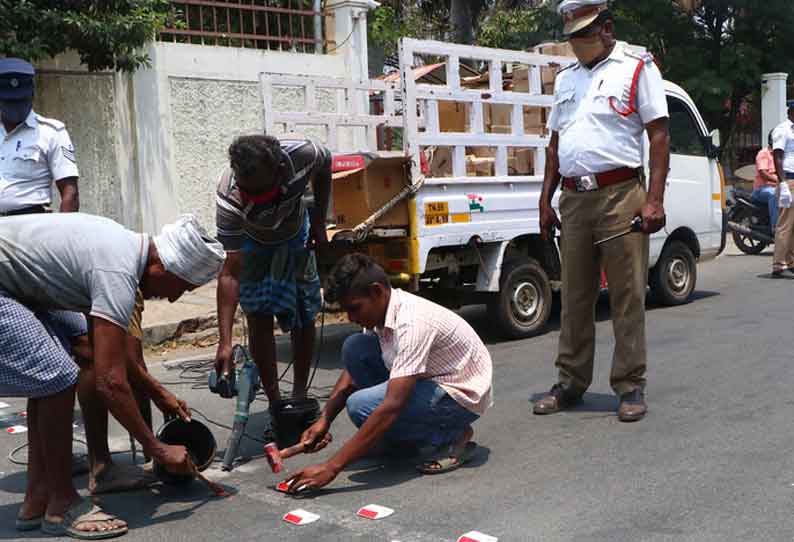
[{"x": 32, "y": 210}]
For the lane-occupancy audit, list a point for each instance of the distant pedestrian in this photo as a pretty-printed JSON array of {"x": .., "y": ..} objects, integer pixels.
[
  {"x": 765, "y": 185},
  {"x": 783, "y": 148}
]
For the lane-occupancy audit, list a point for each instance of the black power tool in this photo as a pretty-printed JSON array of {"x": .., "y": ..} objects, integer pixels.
[{"x": 242, "y": 382}]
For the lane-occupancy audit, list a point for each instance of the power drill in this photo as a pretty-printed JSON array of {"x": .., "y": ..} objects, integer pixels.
[{"x": 243, "y": 382}]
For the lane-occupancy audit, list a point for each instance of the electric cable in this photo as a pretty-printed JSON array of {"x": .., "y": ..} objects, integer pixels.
[{"x": 195, "y": 372}]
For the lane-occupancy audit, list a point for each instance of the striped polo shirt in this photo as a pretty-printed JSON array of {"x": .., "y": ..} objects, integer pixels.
[
  {"x": 277, "y": 221},
  {"x": 420, "y": 338}
]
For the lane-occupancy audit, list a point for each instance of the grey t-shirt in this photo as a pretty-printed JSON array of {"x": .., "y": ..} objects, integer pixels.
[{"x": 72, "y": 261}]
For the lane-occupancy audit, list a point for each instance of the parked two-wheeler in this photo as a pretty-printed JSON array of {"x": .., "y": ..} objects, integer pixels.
[{"x": 749, "y": 223}]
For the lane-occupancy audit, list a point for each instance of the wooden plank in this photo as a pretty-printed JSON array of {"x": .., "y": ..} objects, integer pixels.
[
  {"x": 481, "y": 140},
  {"x": 438, "y": 48},
  {"x": 500, "y": 167},
  {"x": 434, "y": 92},
  {"x": 459, "y": 161},
  {"x": 432, "y": 117}
]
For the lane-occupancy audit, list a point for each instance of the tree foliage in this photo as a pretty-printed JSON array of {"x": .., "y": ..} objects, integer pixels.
[
  {"x": 716, "y": 49},
  {"x": 107, "y": 34}
]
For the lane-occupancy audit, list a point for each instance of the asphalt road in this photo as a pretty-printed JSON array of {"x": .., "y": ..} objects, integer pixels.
[{"x": 711, "y": 462}]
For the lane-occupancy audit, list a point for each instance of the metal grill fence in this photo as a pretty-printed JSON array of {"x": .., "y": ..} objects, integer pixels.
[{"x": 282, "y": 25}]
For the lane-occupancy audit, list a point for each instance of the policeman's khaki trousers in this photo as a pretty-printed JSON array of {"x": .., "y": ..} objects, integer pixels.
[
  {"x": 588, "y": 217},
  {"x": 784, "y": 236}
]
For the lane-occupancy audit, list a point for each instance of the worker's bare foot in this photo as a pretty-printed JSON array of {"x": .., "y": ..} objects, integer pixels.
[
  {"x": 112, "y": 478},
  {"x": 33, "y": 506}
]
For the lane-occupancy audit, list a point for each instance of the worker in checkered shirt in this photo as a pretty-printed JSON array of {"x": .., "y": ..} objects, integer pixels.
[
  {"x": 603, "y": 107},
  {"x": 34, "y": 151},
  {"x": 415, "y": 380}
]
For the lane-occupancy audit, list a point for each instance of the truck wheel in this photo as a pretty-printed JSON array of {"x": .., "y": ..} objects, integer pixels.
[
  {"x": 675, "y": 274},
  {"x": 523, "y": 304}
]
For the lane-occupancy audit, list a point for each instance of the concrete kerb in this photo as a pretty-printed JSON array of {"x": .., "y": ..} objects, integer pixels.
[{"x": 168, "y": 331}]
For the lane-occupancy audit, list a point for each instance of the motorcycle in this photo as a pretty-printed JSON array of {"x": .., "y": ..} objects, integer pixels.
[{"x": 749, "y": 223}]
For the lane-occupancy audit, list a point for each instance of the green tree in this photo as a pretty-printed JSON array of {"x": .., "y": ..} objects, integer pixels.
[{"x": 107, "y": 34}]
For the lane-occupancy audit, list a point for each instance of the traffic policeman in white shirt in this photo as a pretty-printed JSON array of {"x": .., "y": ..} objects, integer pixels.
[
  {"x": 602, "y": 107},
  {"x": 783, "y": 152},
  {"x": 34, "y": 151}
]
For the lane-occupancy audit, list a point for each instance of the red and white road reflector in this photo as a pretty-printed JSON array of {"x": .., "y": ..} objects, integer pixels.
[
  {"x": 300, "y": 517},
  {"x": 17, "y": 429},
  {"x": 283, "y": 487},
  {"x": 374, "y": 511},
  {"x": 476, "y": 536}
]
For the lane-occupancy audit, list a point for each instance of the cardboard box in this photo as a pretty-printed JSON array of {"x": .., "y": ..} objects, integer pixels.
[
  {"x": 521, "y": 161},
  {"x": 359, "y": 192},
  {"x": 535, "y": 120},
  {"x": 480, "y": 166},
  {"x": 440, "y": 162},
  {"x": 452, "y": 116},
  {"x": 496, "y": 115}
]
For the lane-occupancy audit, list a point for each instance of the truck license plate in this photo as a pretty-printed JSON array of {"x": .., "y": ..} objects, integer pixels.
[{"x": 436, "y": 213}]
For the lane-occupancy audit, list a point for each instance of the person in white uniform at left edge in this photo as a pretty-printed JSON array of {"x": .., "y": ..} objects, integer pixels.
[{"x": 34, "y": 151}]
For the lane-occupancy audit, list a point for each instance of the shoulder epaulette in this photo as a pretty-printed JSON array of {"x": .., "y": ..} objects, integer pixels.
[
  {"x": 645, "y": 56},
  {"x": 52, "y": 123}
]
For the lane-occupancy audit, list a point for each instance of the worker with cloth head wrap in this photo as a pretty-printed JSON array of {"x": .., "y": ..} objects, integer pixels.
[{"x": 52, "y": 264}]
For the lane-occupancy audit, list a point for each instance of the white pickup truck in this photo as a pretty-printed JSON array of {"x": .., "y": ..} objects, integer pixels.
[{"x": 470, "y": 235}]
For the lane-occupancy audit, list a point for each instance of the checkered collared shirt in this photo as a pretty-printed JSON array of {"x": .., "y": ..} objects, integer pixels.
[{"x": 420, "y": 338}]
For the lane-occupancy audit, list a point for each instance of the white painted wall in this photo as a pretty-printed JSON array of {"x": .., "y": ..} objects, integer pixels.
[{"x": 773, "y": 102}]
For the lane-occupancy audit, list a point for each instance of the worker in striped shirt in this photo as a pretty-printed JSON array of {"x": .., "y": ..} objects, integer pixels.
[{"x": 418, "y": 375}]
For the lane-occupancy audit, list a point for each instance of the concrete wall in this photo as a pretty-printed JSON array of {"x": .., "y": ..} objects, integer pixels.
[
  {"x": 151, "y": 145},
  {"x": 212, "y": 101}
]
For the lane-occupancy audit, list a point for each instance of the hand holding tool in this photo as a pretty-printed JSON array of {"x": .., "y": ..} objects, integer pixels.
[{"x": 634, "y": 227}]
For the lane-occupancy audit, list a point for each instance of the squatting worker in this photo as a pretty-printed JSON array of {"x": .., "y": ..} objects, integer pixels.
[
  {"x": 267, "y": 231},
  {"x": 602, "y": 106},
  {"x": 783, "y": 151},
  {"x": 34, "y": 152},
  {"x": 418, "y": 375},
  {"x": 52, "y": 266}
]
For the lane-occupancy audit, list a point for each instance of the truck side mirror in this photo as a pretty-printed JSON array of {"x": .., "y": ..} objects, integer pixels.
[
  {"x": 711, "y": 144},
  {"x": 715, "y": 138}
]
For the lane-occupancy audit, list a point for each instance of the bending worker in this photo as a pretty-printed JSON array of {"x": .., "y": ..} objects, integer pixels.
[
  {"x": 418, "y": 375},
  {"x": 40, "y": 152},
  {"x": 271, "y": 270},
  {"x": 602, "y": 106},
  {"x": 52, "y": 264}
]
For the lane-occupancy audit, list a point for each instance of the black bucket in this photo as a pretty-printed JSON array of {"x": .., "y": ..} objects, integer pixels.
[
  {"x": 291, "y": 417},
  {"x": 193, "y": 435}
]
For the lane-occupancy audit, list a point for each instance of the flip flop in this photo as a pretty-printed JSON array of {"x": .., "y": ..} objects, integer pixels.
[
  {"x": 82, "y": 511},
  {"x": 31, "y": 524},
  {"x": 455, "y": 457}
]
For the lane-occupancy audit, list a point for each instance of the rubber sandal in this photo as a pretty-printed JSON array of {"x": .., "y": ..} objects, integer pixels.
[
  {"x": 456, "y": 457},
  {"x": 31, "y": 524},
  {"x": 82, "y": 511}
]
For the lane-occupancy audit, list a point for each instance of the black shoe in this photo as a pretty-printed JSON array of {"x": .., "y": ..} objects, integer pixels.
[
  {"x": 632, "y": 406},
  {"x": 784, "y": 274},
  {"x": 559, "y": 398}
]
